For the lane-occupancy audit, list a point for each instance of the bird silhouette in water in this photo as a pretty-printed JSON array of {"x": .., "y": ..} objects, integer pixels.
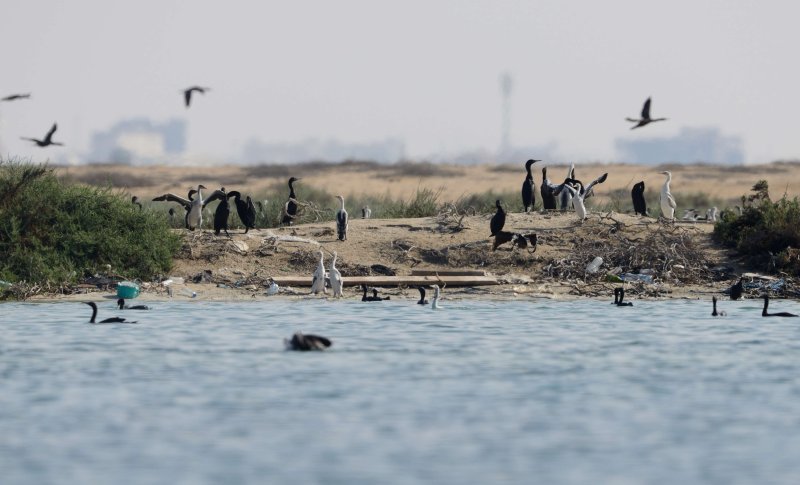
[
  {"x": 498, "y": 219},
  {"x": 737, "y": 290},
  {"x": 187, "y": 93},
  {"x": 305, "y": 342},
  {"x": 764, "y": 312},
  {"x": 645, "y": 119},
  {"x": 374, "y": 296},
  {"x": 714, "y": 312},
  {"x": 107, "y": 320},
  {"x": 619, "y": 294},
  {"x": 422, "y": 300},
  {"x": 637, "y": 195},
  {"x": 48, "y": 138},
  {"x": 123, "y": 306},
  {"x": 15, "y": 97}
]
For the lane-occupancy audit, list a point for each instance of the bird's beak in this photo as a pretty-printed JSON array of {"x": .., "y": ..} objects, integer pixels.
[{"x": 201, "y": 187}]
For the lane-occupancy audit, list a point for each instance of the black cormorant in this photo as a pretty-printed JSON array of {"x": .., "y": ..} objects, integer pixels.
[
  {"x": 187, "y": 93},
  {"x": 300, "y": 341},
  {"x": 498, "y": 219},
  {"x": 245, "y": 209},
  {"x": 374, "y": 296},
  {"x": 223, "y": 210},
  {"x": 107, "y": 320},
  {"x": 529, "y": 188},
  {"x": 621, "y": 292},
  {"x": 548, "y": 192},
  {"x": 714, "y": 312},
  {"x": 15, "y": 97},
  {"x": 637, "y": 194},
  {"x": 48, "y": 138},
  {"x": 123, "y": 306},
  {"x": 422, "y": 300},
  {"x": 645, "y": 119},
  {"x": 341, "y": 220},
  {"x": 779, "y": 314},
  {"x": 737, "y": 290},
  {"x": 291, "y": 204}
]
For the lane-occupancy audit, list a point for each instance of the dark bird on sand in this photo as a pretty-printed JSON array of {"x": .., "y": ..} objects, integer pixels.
[
  {"x": 290, "y": 210},
  {"x": 107, "y": 320},
  {"x": 548, "y": 191},
  {"x": 48, "y": 138},
  {"x": 519, "y": 240},
  {"x": 304, "y": 342},
  {"x": 187, "y": 93},
  {"x": 645, "y": 119},
  {"x": 764, "y": 312},
  {"x": 15, "y": 97},
  {"x": 223, "y": 210},
  {"x": 498, "y": 219},
  {"x": 123, "y": 306},
  {"x": 245, "y": 209},
  {"x": 528, "y": 187},
  {"x": 637, "y": 194}
]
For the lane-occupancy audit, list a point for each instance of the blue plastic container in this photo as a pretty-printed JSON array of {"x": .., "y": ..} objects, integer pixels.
[{"x": 127, "y": 290}]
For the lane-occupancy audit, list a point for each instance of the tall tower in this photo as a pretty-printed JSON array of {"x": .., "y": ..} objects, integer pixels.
[{"x": 506, "y": 85}]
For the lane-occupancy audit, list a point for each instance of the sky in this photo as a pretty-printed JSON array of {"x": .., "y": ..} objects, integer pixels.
[{"x": 424, "y": 71}]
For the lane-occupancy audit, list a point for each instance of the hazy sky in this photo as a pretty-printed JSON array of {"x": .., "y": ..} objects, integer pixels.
[{"x": 425, "y": 71}]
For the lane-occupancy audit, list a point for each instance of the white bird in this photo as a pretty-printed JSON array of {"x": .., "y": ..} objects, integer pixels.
[
  {"x": 578, "y": 195},
  {"x": 366, "y": 212},
  {"x": 566, "y": 196},
  {"x": 318, "y": 282},
  {"x": 273, "y": 288},
  {"x": 336, "y": 278},
  {"x": 435, "y": 302},
  {"x": 194, "y": 207},
  {"x": 689, "y": 215},
  {"x": 668, "y": 204},
  {"x": 711, "y": 214},
  {"x": 341, "y": 220}
]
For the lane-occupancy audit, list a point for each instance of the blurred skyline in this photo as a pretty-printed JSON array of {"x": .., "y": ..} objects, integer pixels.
[{"x": 423, "y": 74}]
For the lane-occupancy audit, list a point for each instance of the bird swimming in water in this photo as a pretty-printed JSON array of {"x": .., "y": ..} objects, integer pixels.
[
  {"x": 107, "y": 320},
  {"x": 619, "y": 295},
  {"x": 48, "y": 138},
  {"x": 336, "y": 278},
  {"x": 123, "y": 306},
  {"x": 668, "y": 204},
  {"x": 764, "y": 312},
  {"x": 366, "y": 212},
  {"x": 222, "y": 212},
  {"x": 714, "y": 312},
  {"x": 341, "y": 220},
  {"x": 318, "y": 280},
  {"x": 14, "y": 97},
  {"x": 645, "y": 119},
  {"x": 579, "y": 194},
  {"x": 187, "y": 93},
  {"x": 422, "y": 300},
  {"x": 135, "y": 201},
  {"x": 529, "y": 188},
  {"x": 435, "y": 304},
  {"x": 245, "y": 209},
  {"x": 273, "y": 288},
  {"x": 547, "y": 191},
  {"x": 637, "y": 194},
  {"x": 194, "y": 207},
  {"x": 737, "y": 290},
  {"x": 374, "y": 296},
  {"x": 498, "y": 219},
  {"x": 290, "y": 210},
  {"x": 304, "y": 342}
]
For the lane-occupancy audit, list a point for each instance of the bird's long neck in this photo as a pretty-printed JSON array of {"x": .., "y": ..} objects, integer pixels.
[
  {"x": 766, "y": 304},
  {"x": 714, "y": 303},
  {"x": 94, "y": 314},
  {"x": 342, "y": 203},
  {"x": 333, "y": 262},
  {"x": 621, "y": 295},
  {"x": 291, "y": 191}
]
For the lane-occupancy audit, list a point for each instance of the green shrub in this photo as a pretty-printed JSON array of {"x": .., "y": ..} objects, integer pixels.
[{"x": 52, "y": 232}]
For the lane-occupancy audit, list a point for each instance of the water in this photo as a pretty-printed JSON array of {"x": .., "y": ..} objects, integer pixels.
[{"x": 479, "y": 392}]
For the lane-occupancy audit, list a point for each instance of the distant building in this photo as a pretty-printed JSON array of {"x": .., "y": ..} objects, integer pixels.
[
  {"x": 689, "y": 146},
  {"x": 387, "y": 151},
  {"x": 138, "y": 141}
]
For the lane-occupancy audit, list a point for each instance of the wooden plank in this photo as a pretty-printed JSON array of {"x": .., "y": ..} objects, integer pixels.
[
  {"x": 447, "y": 272},
  {"x": 395, "y": 280}
]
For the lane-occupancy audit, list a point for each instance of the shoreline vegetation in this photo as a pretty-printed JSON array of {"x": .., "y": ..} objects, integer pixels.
[{"x": 63, "y": 232}]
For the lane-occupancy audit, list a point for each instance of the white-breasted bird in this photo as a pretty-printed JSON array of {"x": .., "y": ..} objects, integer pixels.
[
  {"x": 336, "y": 278},
  {"x": 668, "y": 204},
  {"x": 341, "y": 220},
  {"x": 578, "y": 195},
  {"x": 194, "y": 207},
  {"x": 318, "y": 281}
]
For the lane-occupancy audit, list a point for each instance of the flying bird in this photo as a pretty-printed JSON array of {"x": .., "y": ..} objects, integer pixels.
[
  {"x": 187, "y": 93},
  {"x": 48, "y": 138},
  {"x": 645, "y": 119},
  {"x": 15, "y": 97}
]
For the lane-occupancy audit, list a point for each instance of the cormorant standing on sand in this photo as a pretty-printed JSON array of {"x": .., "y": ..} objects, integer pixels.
[
  {"x": 529, "y": 188},
  {"x": 302, "y": 342},
  {"x": 291, "y": 204},
  {"x": 107, "y": 320},
  {"x": 245, "y": 209},
  {"x": 779, "y": 314},
  {"x": 548, "y": 192},
  {"x": 637, "y": 194},
  {"x": 222, "y": 212},
  {"x": 341, "y": 220},
  {"x": 498, "y": 219}
]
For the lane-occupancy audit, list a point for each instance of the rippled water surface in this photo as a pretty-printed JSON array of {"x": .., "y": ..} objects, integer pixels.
[{"x": 479, "y": 392}]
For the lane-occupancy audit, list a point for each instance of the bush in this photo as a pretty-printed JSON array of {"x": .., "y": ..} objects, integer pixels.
[
  {"x": 765, "y": 232},
  {"x": 53, "y": 233}
]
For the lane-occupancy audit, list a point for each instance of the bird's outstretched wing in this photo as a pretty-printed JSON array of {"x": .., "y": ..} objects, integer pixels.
[
  {"x": 632, "y": 120},
  {"x": 646, "y": 109},
  {"x": 216, "y": 195},
  {"x": 49, "y": 134},
  {"x": 174, "y": 198},
  {"x": 598, "y": 180}
]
